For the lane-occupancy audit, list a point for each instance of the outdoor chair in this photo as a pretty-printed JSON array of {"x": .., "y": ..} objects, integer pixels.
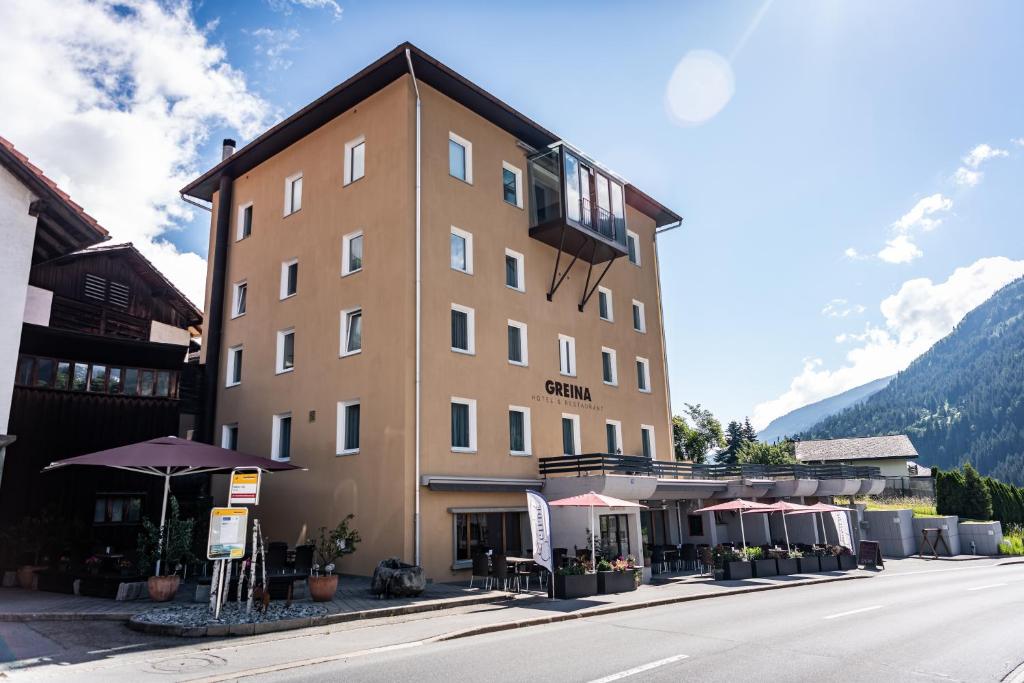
[
  {"x": 657, "y": 560},
  {"x": 499, "y": 571},
  {"x": 689, "y": 556},
  {"x": 303, "y": 559},
  {"x": 559, "y": 555},
  {"x": 523, "y": 571},
  {"x": 481, "y": 569},
  {"x": 277, "y": 553},
  {"x": 706, "y": 561}
]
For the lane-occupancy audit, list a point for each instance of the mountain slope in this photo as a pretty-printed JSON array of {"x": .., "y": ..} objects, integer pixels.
[
  {"x": 796, "y": 421},
  {"x": 961, "y": 400}
]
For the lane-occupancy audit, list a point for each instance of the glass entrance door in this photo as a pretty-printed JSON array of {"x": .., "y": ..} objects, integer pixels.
[{"x": 615, "y": 536}]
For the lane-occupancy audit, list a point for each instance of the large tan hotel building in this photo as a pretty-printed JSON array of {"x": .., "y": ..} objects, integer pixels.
[{"x": 418, "y": 293}]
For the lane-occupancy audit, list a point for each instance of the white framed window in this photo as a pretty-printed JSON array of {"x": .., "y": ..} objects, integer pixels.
[
  {"x": 647, "y": 442},
  {"x": 609, "y": 366},
  {"x": 520, "y": 440},
  {"x": 605, "y": 307},
  {"x": 289, "y": 278},
  {"x": 239, "y": 298},
  {"x": 229, "y": 436},
  {"x": 292, "y": 194},
  {"x": 515, "y": 272},
  {"x": 511, "y": 184},
  {"x": 567, "y": 355},
  {"x": 613, "y": 436},
  {"x": 233, "y": 369},
  {"x": 463, "y": 329},
  {"x": 355, "y": 159},
  {"x": 639, "y": 317},
  {"x": 352, "y": 253},
  {"x": 518, "y": 347},
  {"x": 633, "y": 247},
  {"x": 571, "y": 434},
  {"x": 461, "y": 250},
  {"x": 643, "y": 374},
  {"x": 460, "y": 158},
  {"x": 285, "y": 350},
  {"x": 244, "y": 226},
  {"x": 281, "y": 437},
  {"x": 463, "y": 425},
  {"x": 348, "y": 427},
  {"x": 351, "y": 332}
]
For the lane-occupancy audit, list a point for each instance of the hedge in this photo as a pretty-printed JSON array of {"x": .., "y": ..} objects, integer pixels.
[{"x": 967, "y": 494}]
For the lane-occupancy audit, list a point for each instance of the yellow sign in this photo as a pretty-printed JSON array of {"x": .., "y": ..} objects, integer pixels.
[
  {"x": 245, "y": 487},
  {"x": 227, "y": 533}
]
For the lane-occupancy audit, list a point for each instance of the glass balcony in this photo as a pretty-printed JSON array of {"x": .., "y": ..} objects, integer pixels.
[{"x": 576, "y": 207}]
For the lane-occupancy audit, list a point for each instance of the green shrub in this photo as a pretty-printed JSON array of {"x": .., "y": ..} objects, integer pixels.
[{"x": 753, "y": 553}]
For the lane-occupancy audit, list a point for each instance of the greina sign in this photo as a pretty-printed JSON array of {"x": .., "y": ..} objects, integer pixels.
[{"x": 566, "y": 390}]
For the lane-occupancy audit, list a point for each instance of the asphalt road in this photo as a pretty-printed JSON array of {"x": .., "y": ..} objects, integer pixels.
[
  {"x": 946, "y": 624},
  {"x": 948, "y": 621}
]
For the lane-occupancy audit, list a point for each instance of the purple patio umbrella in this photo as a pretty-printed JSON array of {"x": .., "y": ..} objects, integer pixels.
[{"x": 169, "y": 456}]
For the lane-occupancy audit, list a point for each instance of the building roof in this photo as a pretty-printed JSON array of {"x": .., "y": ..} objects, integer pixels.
[
  {"x": 375, "y": 77},
  {"x": 148, "y": 272},
  {"x": 63, "y": 226},
  {"x": 859, "y": 448}
]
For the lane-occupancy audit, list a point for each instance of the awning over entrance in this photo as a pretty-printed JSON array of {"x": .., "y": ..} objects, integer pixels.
[{"x": 442, "y": 482}]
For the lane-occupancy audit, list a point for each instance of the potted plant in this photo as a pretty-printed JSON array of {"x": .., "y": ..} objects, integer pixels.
[
  {"x": 761, "y": 565},
  {"x": 733, "y": 563},
  {"x": 27, "y": 538},
  {"x": 92, "y": 563},
  {"x": 828, "y": 559},
  {"x": 847, "y": 560},
  {"x": 173, "y": 553},
  {"x": 808, "y": 563},
  {"x": 616, "y": 577},
  {"x": 575, "y": 580},
  {"x": 788, "y": 564},
  {"x": 329, "y": 546}
]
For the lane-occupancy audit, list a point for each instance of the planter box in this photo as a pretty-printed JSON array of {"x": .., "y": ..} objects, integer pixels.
[
  {"x": 808, "y": 564},
  {"x": 847, "y": 562},
  {"x": 615, "y": 582},
  {"x": 737, "y": 570},
  {"x": 575, "y": 586},
  {"x": 787, "y": 566},
  {"x": 763, "y": 568},
  {"x": 829, "y": 563}
]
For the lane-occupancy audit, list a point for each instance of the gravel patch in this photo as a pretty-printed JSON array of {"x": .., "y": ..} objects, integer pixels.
[{"x": 230, "y": 614}]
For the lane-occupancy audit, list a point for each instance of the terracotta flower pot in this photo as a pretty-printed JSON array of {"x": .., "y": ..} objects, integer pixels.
[
  {"x": 163, "y": 588},
  {"x": 27, "y": 575},
  {"x": 323, "y": 588}
]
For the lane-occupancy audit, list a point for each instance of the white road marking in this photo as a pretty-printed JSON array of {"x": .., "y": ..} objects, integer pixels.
[
  {"x": 991, "y": 585},
  {"x": 854, "y": 611},
  {"x": 305, "y": 662},
  {"x": 639, "y": 669},
  {"x": 119, "y": 648}
]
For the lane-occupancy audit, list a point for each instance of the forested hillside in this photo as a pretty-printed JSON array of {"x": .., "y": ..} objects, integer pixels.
[{"x": 962, "y": 400}]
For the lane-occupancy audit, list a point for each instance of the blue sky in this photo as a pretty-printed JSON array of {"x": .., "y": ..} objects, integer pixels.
[{"x": 843, "y": 117}]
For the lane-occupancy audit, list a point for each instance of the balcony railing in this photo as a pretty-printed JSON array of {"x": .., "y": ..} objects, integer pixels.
[{"x": 635, "y": 465}]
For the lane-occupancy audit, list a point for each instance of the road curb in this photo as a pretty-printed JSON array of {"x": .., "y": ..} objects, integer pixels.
[
  {"x": 66, "y": 616},
  {"x": 627, "y": 607}
]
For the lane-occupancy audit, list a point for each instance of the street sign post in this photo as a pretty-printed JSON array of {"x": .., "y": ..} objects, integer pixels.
[
  {"x": 245, "y": 487},
  {"x": 226, "y": 540}
]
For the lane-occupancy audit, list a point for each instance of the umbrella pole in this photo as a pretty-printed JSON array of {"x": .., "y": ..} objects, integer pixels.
[
  {"x": 743, "y": 533},
  {"x": 824, "y": 534},
  {"x": 785, "y": 530},
  {"x": 163, "y": 520},
  {"x": 593, "y": 532}
]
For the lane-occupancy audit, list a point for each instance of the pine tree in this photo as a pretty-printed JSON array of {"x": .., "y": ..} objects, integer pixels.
[
  {"x": 748, "y": 431},
  {"x": 733, "y": 443},
  {"x": 977, "y": 501}
]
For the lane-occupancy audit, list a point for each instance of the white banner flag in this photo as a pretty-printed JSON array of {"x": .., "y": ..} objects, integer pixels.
[
  {"x": 540, "y": 529},
  {"x": 842, "y": 523}
]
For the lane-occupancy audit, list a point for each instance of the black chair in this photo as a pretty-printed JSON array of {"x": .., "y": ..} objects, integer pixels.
[
  {"x": 689, "y": 556},
  {"x": 559, "y": 555},
  {"x": 523, "y": 571},
  {"x": 277, "y": 554},
  {"x": 481, "y": 568},
  {"x": 499, "y": 570},
  {"x": 303, "y": 559},
  {"x": 657, "y": 559}
]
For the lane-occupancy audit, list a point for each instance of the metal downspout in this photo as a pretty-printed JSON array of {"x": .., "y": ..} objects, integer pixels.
[{"x": 416, "y": 481}]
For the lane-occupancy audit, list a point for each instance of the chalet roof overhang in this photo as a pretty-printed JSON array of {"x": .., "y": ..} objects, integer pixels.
[
  {"x": 374, "y": 78},
  {"x": 39, "y": 340}
]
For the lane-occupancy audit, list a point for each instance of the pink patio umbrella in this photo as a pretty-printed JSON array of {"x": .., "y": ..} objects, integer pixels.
[
  {"x": 821, "y": 508},
  {"x": 593, "y": 500},
  {"x": 785, "y": 508},
  {"x": 739, "y": 505}
]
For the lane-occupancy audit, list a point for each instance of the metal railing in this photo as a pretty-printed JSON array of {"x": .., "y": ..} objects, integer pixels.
[{"x": 637, "y": 465}]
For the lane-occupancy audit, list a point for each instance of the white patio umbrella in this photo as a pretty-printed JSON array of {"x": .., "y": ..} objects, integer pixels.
[
  {"x": 785, "y": 508},
  {"x": 739, "y": 505}
]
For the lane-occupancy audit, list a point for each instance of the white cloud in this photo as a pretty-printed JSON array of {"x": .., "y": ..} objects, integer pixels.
[
  {"x": 114, "y": 102},
  {"x": 923, "y": 217},
  {"x": 854, "y": 255},
  {"x": 273, "y": 43},
  {"x": 918, "y": 315},
  {"x": 968, "y": 174},
  {"x": 1018, "y": 141},
  {"x": 286, "y": 6},
  {"x": 840, "y": 308}
]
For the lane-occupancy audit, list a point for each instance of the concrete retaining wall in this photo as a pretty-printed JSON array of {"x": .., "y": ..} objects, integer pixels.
[
  {"x": 949, "y": 526},
  {"x": 894, "y": 531},
  {"x": 986, "y": 536}
]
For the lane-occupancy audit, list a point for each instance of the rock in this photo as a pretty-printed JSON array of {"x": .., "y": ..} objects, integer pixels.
[{"x": 394, "y": 578}]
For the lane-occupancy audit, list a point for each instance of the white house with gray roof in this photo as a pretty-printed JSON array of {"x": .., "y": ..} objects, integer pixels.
[{"x": 891, "y": 454}]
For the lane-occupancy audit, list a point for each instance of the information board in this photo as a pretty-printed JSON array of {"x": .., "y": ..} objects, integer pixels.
[
  {"x": 245, "y": 487},
  {"x": 869, "y": 554},
  {"x": 228, "y": 527}
]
